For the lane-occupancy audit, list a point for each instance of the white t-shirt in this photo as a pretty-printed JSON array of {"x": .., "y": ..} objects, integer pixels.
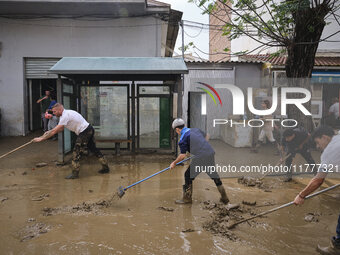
[
  {"x": 330, "y": 158},
  {"x": 73, "y": 121},
  {"x": 335, "y": 109}
]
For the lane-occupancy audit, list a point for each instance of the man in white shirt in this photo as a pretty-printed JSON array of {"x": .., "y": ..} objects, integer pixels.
[
  {"x": 73, "y": 121},
  {"x": 334, "y": 108},
  {"x": 330, "y": 161}
]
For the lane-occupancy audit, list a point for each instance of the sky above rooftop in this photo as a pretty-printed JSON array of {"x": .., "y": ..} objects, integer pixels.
[{"x": 200, "y": 37}]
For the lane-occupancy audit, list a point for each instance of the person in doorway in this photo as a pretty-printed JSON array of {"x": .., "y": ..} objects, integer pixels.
[
  {"x": 73, "y": 121},
  {"x": 296, "y": 141},
  {"x": 45, "y": 102},
  {"x": 53, "y": 120},
  {"x": 333, "y": 111},
  {"x": 267, "y": 129},
  {"x": 330, "y": 158},
  {"x": 194, "y": 141}
]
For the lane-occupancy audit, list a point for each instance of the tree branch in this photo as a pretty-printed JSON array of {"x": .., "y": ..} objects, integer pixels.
[
  {"x": 236, "y": 27},
  {"x": 277, "y": 37},
  {"x": 251, "y": 23}
]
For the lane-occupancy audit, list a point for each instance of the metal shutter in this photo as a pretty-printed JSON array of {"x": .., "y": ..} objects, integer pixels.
[{"x": 37, "y": 68}]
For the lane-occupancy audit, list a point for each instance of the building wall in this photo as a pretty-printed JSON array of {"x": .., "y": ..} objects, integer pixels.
[
  {"x": 328, "y": 47},
  {"x": 130, "y": 37},
  {"x": 243, "y": 75},
  {"x": 331, "y": 45},
  {"x": 218, "y": 42}
]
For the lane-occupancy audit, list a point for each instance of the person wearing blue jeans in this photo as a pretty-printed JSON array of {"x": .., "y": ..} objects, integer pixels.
[{"x": 330, "y": 158}]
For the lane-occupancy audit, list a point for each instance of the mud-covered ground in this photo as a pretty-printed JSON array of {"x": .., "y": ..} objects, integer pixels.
[{"x": 42, "y": 213}]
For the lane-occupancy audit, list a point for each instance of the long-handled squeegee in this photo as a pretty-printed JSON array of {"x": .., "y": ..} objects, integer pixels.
[
  {"x": 20, "y": 147},
  {"x": 232, "y": 225},
  {"x": 121, "y": 189}
]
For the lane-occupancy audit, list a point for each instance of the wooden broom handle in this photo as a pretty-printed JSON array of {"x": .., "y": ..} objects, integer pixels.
[{"x": 22, "y": 146}]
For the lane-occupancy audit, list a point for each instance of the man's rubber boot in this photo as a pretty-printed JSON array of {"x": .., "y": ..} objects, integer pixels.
[
  {"x": 187, "y": 195},
  {"x": 104, "y": 170},
  {"x": 334, "y": 249},
  {"x": 255, "y": 149},
  {"x": 105, "y": 167},
  {"x": 73, "y": 175},
  {"x": 288, "y": 177},
  {"x": 224, "y": 198}
]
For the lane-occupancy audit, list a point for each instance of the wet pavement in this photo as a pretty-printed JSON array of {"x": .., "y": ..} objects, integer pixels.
[{"x": 146, "y": 220}]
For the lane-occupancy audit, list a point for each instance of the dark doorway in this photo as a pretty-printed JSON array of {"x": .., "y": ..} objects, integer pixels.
[
  {"x": 36, "y": 90},
  {"x": 195, "y": 117}
]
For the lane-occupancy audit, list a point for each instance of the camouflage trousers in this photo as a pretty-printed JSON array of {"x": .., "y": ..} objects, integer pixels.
[{"x": 84, "y": 142}]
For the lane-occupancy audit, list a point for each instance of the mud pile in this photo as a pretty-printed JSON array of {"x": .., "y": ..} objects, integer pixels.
[
  {"x": 33, "y": 230},
  {"x": 265, "y": 184},
  {"x": 250, "y": 181},
  {"x": 222, "y": 216},
  {"x": 84, "y": 208}
]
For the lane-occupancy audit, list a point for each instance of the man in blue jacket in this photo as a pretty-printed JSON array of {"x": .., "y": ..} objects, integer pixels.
[{"x": 193, "y": 140}]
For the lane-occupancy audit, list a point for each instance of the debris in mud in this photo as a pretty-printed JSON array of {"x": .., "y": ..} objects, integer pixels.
[
  {"x": 13, "y": 185},
  {"x": 24, "y": 173},
  {"x": 90, "y": 190},
  {"x": 220, "y": 228},
  {"x": 11, "y": 173},
  {"x": 32, "y": 231},
  {"x": 312, "y": 217},
  {"x": 42, "y": 164},
  {"x": 232, "y": 206},
  {"x": 251, "y": 203},
  {"x": 268, "y": 203},
  {"x": 222, "y": 216},
  {"x": 83, "y": 208},
  {"x": 40, "y": 197},
  {"x": 168, "y": 209},
  {"x": 188, "y": 230},
  {"x": 209, "y": 205},
  {"x": 249, "y": 181},
  {"x": 2, "y": 199},
  {"x": 30, "y": 220},
  {"x": 255, "y": 182}
]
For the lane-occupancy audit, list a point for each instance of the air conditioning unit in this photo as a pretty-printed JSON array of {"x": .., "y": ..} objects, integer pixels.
[{"x": 280, "y": 79}]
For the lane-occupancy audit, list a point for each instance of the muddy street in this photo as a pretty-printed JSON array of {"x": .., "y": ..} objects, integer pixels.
[{"x": 42, "y": 213}]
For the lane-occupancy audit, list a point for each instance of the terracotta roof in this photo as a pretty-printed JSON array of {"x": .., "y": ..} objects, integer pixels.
[
  {"x": 250, "y": 61},
  {"x": 281, "y": 60}
]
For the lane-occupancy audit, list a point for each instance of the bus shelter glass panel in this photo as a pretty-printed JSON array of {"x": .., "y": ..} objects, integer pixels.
[
  {"x": 67, "y": 133},
  {"x": 149, "y": 111},
  {"x": 154, "y": 90},
  {"x": 105, "y": 108}
]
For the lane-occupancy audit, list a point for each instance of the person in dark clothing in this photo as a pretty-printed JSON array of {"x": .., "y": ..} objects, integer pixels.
[
  {"x": 194, "y": 141},
  {"x": 296, "y": 141},
  {"x": 45, "y": 102}
]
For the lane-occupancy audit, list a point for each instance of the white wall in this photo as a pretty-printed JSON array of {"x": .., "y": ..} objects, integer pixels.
[
  {"x": 243, "y": 75},
  {"x": 246, "y": 43},
  {"x": 333, "y": 43},
  {"x": 64, "y": 38}
]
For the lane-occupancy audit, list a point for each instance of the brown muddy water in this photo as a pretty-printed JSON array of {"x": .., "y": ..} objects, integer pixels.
[{"x": 42, "y": 213}]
